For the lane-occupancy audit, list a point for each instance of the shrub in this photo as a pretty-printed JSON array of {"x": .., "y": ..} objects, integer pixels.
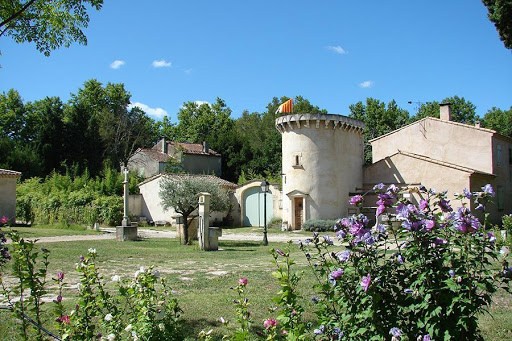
[{"x": 316, "y": 225}]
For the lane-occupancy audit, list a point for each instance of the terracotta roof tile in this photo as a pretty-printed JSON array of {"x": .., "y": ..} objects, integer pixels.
[{"x": 6, "y": 173}]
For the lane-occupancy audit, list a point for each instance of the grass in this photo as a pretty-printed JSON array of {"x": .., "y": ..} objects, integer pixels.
[
  {"x": 51, "y": 231},
  {"x": 201, "y": 281}
]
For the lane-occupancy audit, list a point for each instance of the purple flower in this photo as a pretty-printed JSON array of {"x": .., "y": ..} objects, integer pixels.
[
  {"x": 341, "y": 234},
  {"x": 328, "y": 240},
  {"x": 400, "y": 259},
  {"x": 487, "y": 189},
  {"x": 59, "y": 299},
  {"x": 396, "y": 332},
  {"x": 319, "y": 331},
  {"x": 242, "y": 281},
  {"x": 480, "y": 207},
  {"x": 491, "y": 237},
  {"x": 445, "y": 205},
  {"x": 378, "y": 187},
  {"x": 423, "y": 204},
  {"x": 464, "y": 221},
  {"x": 82, "y": 258},
  {"x": 314, "y": 299},
  {"x": 365, "y": 282},
  {"x": 380, "y": 210},
  {"x": 60, "y": 276},
  {"x": 467, "y": 193},
  {"x": 440, "y": 241},
  {"x": 408, "y": 291},
  {"x": 429, "y": 224},
  {"x": 356, "y": 200},
  {"x": 344, "y": 255},
  {"x": 381, "y": 228},
  {"x": 426, "y": 337},
  {"x": 337, "y": 273},
  {"x": 392, "y": 188},
  {"x": 452, "y": 273},
  {"x": 270, "y": 323}
]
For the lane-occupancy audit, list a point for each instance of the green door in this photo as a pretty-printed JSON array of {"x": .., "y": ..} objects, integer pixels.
[{"x": 254, "y": 206}]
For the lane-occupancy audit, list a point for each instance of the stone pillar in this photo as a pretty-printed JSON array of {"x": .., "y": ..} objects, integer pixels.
[
  {"x": 208, "y": 236},
  {"x": 204, "y": 221},
  {"x": 127, "y": 230}
]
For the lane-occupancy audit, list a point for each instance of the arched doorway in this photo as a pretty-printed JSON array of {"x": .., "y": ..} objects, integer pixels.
[{"x": 253, "y": 201}]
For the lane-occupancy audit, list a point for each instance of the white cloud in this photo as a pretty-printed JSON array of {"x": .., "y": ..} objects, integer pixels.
[
  {"x": 116, "y": 64},
  {"x": 337, "y": 49},
  {"x": 199, "y": 103},
  {"x": 161, "y": 63},
  {"x": 366, "y": 84},
  {"x": 155, "y": 112}
]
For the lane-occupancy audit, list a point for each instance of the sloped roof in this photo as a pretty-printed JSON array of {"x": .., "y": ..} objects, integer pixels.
[
  {"x": 441, "y": 163},
  {"x": 6, "y": 173},
  {"x": 195, "y": 148},
  {"x": 154, "y": 154},
  {"x": 490, "y": 131},
  {"x": 221, "y": 182}
]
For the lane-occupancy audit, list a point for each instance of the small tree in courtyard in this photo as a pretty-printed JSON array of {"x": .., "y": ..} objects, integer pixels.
[{"x": 181, "y": 194}]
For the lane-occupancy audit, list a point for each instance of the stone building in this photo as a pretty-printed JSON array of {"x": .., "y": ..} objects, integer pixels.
[
  {"x": 193, "y": 158},
  {"x": 8, "y": 194},
  {"x": 445, "y": 155},
  {"x": 322, "y": 163}
]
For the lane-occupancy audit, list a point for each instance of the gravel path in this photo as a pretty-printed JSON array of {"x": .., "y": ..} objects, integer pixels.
[{"x": 110, "y": 233}]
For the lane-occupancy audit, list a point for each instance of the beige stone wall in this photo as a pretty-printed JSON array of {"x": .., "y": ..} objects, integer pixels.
[
  {"x": 329, "y": 149},
  {"x": 152, "y": 208},
  {"x": 143, "y": 165},
  {"x": 202, "y": 164},
  {"x": 405, "y": 170},
  {"x": 457, "y": 143},
  {"x": 8, "y": 198}
]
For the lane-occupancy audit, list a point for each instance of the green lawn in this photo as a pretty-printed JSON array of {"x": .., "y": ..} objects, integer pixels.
[
  {"x": 201, "y": 281},
  {"x": 51, "y": 231}
]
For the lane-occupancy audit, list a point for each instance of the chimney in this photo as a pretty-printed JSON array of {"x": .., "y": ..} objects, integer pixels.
[
  {"x": 477, "y": 124},
  {"x": 206, "y": 148},
  {"x": 164, "y": 145},
  {"x": 444, "y": 112}
]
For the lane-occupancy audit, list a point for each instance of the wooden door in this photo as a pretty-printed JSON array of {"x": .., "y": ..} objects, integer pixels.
[{"x": 298, "y": 213}]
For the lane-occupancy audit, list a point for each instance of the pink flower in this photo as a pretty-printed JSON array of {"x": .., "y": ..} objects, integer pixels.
[
  {"x": 365, "y": 282},
  {"x": 4, "y": 219},
  {"x": 270, "y": 323},
  {"x": 60, "y": 276},
  {"x": 242, "y": 281},
  {"x": 64, "y": 319},
  {"x": 59, "y": 299}
]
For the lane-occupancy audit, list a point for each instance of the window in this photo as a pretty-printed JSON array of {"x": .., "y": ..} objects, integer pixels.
[
  {"x": 297, "y": 160},
  {"x": 510, "y": 156},
  {"x": 499, "y": 195},
  {"x": 499, "y": 155}
]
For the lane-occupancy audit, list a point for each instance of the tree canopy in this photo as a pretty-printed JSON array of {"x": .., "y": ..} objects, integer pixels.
[
  {"x": 48, "y": 24},
  {"x": 181, "y": 194},
  {"x": 499, "y": 120},
  {"x": 500, "y": 13},
  {"x": 462, "y": 111}
]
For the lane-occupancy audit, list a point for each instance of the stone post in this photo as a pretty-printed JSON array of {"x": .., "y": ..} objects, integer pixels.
[
  {"x": 208, "y": 236},
  {"x": 204, "y": 221},
  {"x": 126, "y": 218},
  {"x": 126, "y": 231}
]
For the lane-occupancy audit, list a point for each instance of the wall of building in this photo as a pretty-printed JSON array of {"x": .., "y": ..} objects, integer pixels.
[
  {"x": 8, "y": 198},
  {"x": 143, "y": 165},
  {"x": 240, "y": 195},
  {"x": 442, "y": 140},
  {"x": 322, "y": 162},
  {"x": 202, "y": 164},
  {"x": 405, "y": 170},
  {"x": 152, "y": 208}
]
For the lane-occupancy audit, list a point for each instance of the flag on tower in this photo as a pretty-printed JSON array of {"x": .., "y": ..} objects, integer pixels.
[{"x": 286, "y": 107}]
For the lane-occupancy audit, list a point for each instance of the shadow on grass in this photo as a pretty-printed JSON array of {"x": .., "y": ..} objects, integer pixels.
[
  {"x": 238, "y": 244},
  {"x": 192, "y": 327}
]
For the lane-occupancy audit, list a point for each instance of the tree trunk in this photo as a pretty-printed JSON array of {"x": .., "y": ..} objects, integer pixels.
[{"x": 185, "y": 230}]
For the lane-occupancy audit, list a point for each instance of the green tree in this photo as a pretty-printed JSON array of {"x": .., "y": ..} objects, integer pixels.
[
  {"x": 379, "y": 119},
  {"x": 461, "y": 110},
  {"x": 49, "y": 24},
  {"x": 181, "y": 194},
  {"x": 113, "y": 131},
  {"x": 499, "y": 120},
  {"x": 500, "y": 13}
]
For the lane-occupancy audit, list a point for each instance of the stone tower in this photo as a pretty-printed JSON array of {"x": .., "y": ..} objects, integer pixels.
[{"x": 322, "y": 163}]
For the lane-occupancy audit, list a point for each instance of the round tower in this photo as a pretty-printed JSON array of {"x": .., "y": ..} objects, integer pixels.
[{"x": 322, "y": 163}]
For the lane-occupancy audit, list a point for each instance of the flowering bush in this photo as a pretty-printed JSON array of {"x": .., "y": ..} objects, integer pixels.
[
  {"x": 243, "y": 315},
  {"x": 427, "y": 279},
  {"x": 144, "y": 308}
]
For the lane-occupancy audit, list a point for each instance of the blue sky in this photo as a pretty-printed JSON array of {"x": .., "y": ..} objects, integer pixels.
[{"x": 333, "y": 53}]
